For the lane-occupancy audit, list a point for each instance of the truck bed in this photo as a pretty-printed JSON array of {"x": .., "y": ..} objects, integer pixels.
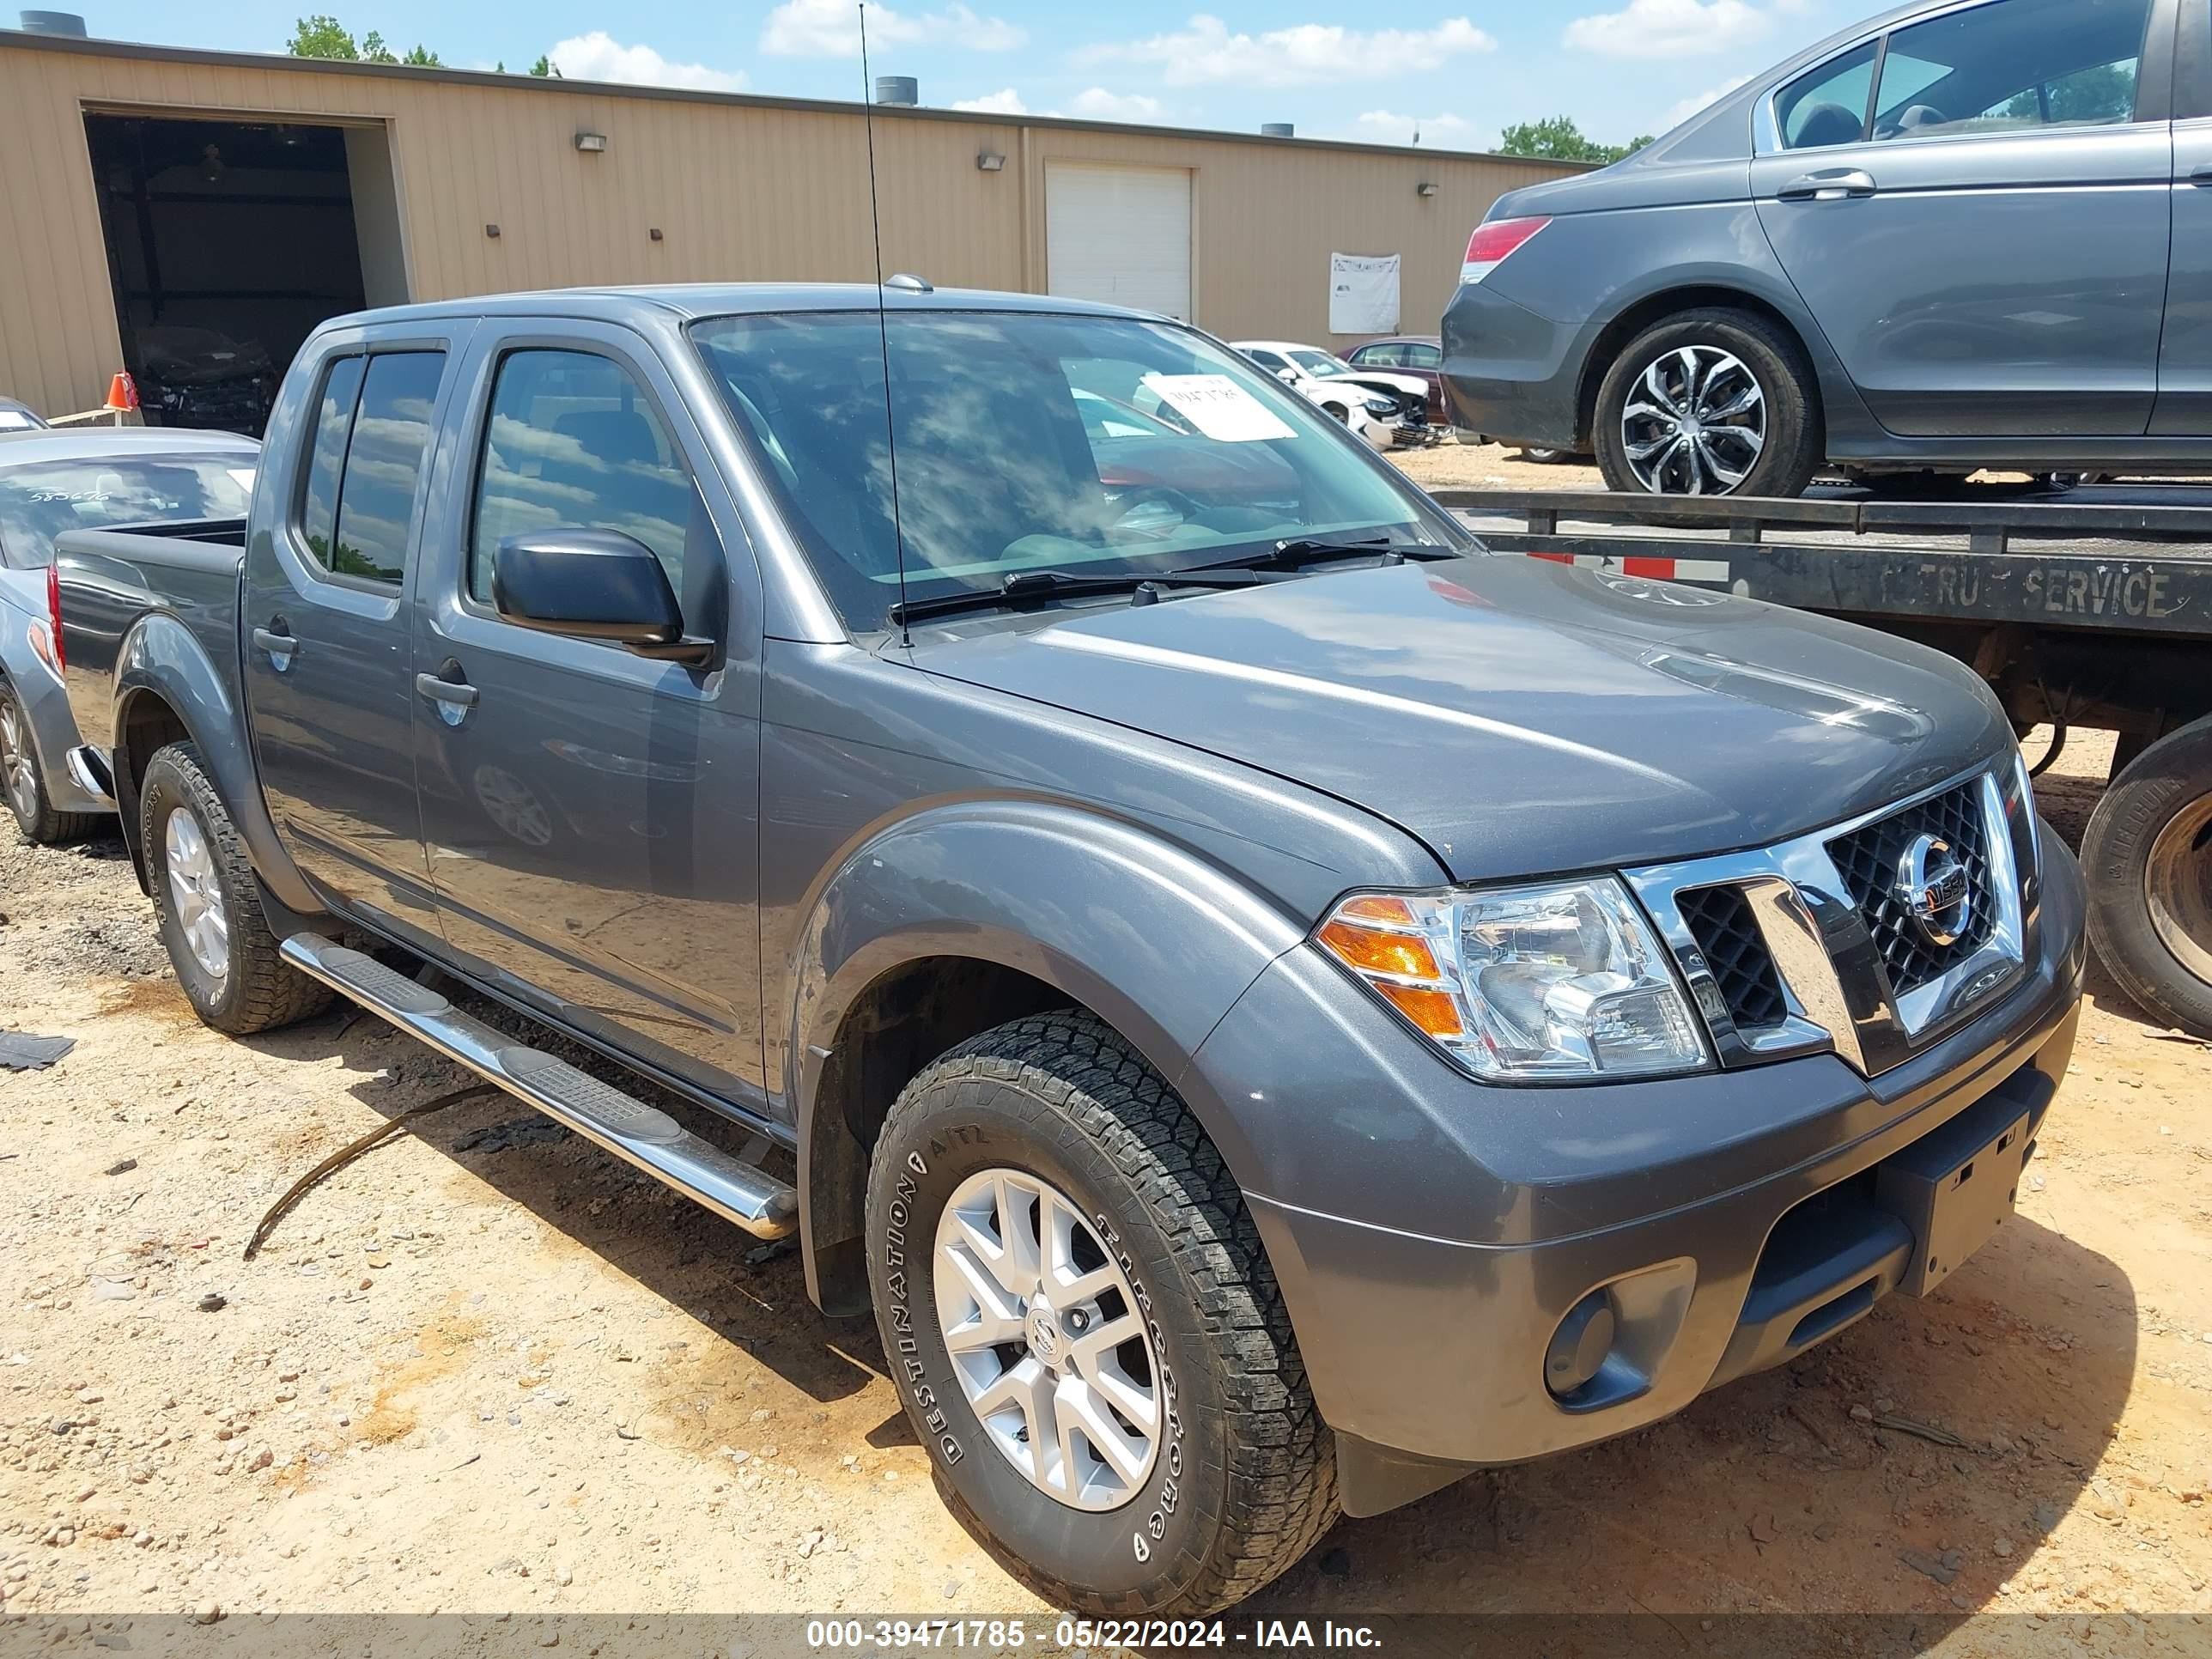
[{"x": 112, "y": 580}]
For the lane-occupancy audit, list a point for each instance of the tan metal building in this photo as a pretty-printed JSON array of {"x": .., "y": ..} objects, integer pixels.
[{"x": 146, "y": 190}]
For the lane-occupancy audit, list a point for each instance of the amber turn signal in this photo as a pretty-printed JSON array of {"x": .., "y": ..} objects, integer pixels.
[{"x": 1407, "y": 956}]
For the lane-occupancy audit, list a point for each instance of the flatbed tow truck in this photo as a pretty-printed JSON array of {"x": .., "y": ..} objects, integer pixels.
[{"x": 2091, "y": 611}]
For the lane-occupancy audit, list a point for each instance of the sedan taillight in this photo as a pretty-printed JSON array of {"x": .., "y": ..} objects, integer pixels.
[
  {"x": 54, "y": 617},
  {"x": 1493, "y": 243}
]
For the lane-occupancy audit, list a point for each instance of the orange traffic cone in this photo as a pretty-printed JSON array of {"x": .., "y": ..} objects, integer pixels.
[{"x": 122, "y": 396}]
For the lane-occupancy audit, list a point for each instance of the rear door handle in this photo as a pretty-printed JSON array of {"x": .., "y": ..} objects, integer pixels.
[
  {"x": 453, "y": 693},
  {"x": 1837, "y": 184},
  {"x": 2200, "y": 176}
]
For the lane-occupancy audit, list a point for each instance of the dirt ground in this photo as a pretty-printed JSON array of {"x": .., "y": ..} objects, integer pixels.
[{"x": 488, "y": 1368}]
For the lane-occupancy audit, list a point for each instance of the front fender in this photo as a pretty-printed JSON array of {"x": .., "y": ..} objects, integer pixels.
[
  {"x": 1156, "y": 941},
  {"x": 161, "y": 662}
]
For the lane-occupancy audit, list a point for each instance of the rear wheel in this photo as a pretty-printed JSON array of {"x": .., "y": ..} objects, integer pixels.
[
  {"x": 1714, "y": 402},
  {"x": 2149, "y": 854},
  {"x": 25, "y": 784},
  {"x": 1086, "y": 1331},
  {"x": 209, "y": 905}
]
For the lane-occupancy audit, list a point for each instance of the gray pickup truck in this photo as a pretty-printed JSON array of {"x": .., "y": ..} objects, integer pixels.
[{"x": 1271, "y": 1007}]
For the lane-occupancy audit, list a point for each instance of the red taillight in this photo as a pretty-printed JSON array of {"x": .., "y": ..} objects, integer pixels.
[
  {"x": 54, "y": 616},
  {"x": 1493, "y": 243}
]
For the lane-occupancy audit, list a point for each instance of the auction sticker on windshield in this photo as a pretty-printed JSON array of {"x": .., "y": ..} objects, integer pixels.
[{"x": 1220, "y": 408}]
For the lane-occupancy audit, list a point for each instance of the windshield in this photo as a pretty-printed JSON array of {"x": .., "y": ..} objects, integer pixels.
[
  {"x": 1321, "y": 364},
  {"x": 1100, "y": 446},
  {"x": 38, "y": 502}
]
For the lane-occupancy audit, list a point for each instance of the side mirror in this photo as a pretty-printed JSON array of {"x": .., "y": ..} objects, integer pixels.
[
  {"x": 1287, "y": 376},
  {"x": 592, "y": 584}
]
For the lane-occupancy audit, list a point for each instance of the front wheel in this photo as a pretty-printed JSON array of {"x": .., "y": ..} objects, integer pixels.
[
  {"x": 2148, "y": 854},
  {"x": 1084, "y": 1330},
  {"x": 1714, "y": 402}
]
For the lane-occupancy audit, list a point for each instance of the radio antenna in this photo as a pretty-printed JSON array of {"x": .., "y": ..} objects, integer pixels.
[{"x": 882, "y": 323}]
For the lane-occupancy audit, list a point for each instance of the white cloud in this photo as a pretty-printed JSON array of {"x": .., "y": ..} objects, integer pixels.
[
  {"x": 1205, "y": 50},
  {"x": 1005, "y": 101},
  {"x": 1097, "y": 104},
  {"x": 1674, "y": 28},
  {"x": 1682, "y": 112},
  {"x": 831, "y": 28},
  {"x": 600, "y": 57},
  {"x": 1382, "y": 126}
]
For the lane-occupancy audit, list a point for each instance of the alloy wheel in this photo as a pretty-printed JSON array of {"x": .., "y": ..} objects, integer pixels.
[
  {"x": 1695, "y": 423},
  {"x": 16, "y": 763},
  {"x": 1046, "y": 1338},
  {"x": 196, "y": 891}
]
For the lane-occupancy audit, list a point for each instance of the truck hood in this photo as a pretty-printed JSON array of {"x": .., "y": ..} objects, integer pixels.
[{"x": 1519, "y": 717}]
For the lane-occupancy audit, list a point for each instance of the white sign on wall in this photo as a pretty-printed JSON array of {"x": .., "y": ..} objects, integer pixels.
[{"x": 1363, "y": 294}]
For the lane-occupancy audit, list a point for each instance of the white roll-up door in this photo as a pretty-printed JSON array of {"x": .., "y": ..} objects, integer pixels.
[{"x": 1121, "y": 235}]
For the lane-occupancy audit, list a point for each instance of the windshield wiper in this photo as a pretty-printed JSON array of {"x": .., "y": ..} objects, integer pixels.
[
  {"x": 1018, "y": 589},
  {"x": 1297, "y": 554}
]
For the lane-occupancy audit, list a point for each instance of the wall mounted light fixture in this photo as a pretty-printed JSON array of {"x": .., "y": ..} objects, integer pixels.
[
  {"x": 491, "y": 231},
  {"x": 590, "y": 143},
  {"x": 1424, "y": 188},
  {"x": 990, "y": 160}
]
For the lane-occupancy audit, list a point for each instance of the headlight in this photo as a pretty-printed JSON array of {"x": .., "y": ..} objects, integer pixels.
[
  {"x": 1560, "y": 982},
  {"x": 1381, "y": 406}
]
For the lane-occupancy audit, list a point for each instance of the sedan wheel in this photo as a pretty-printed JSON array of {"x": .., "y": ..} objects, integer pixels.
[
  {"x": 17, "y": 766},
  {"x": 1695, "y": 424}
]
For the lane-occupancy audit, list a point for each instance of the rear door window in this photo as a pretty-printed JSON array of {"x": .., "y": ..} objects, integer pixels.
[
  {"x": 2013, "y": 65},
  {"x": 365, "y": 469}
]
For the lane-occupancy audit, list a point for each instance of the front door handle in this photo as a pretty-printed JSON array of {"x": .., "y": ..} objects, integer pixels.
[
  {"x": 278, "y": 643},
  {"x": 454, "y": 698},
  {"x": 1835, "y": 185}
]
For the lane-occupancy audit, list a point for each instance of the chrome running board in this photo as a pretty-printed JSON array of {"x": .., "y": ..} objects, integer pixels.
[{"x": 735, "y": 1189}]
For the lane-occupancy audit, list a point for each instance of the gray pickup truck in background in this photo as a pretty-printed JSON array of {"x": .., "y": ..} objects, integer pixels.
[{"x": 1271, "y": 1007}]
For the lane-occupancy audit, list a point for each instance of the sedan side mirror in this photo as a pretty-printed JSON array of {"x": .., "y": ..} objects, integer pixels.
[
  {"x": 1287, "y": 376},
  {"x": 592, "y": 584}
]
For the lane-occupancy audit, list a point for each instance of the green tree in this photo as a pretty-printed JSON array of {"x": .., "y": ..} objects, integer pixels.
[
  {"x": 1559, "y": 139},
  {"x": 320, "y": 36},
  {"x": 323, "y": 36},
  {"x": 545, "y": 69}
]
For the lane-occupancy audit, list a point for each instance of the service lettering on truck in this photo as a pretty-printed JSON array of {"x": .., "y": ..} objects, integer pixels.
[{"x": 2067, "y": 589}]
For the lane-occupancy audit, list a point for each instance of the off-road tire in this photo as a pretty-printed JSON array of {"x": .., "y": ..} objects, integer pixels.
[
  {"x": 43, "y": 826},
  {"x": 1251, "y": 1484},
  {"x": 1796, "y": 438},
  {"x": 260, "y": 991},
  {"x": 2171, "y": 778}
]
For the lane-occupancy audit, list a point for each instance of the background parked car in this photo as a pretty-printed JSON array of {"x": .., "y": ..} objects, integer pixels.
[
  {"x": 86, "y": 479},
  {"x": 197, "y": 377},
  {"x": 1388, "y": 408},
  {"x": 1420, "y": 356},
  {"x": 18, "y": 418},
  {"x": 1938, "y": 240}
]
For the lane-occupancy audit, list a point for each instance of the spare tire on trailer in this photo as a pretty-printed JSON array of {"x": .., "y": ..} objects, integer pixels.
[{"x": 2148, "y": 855}]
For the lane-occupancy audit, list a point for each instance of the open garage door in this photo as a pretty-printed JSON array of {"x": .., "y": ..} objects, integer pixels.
[
  {"x": 228, "y": 242},
  {"x": 1120, "y": 235}
]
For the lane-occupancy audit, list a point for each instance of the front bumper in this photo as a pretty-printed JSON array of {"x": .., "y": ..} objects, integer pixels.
[{"x": 1431, "y": 1234}]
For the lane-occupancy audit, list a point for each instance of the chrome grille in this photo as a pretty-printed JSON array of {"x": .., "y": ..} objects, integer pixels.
[
  {"x": 1778, "y": 945},
  {"x": 1720, "y": 919},
  {"x": 1868, "y": 861}
]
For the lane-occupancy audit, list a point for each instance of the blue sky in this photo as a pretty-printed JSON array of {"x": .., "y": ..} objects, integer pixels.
[{"x": 1337, "y": 69}]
